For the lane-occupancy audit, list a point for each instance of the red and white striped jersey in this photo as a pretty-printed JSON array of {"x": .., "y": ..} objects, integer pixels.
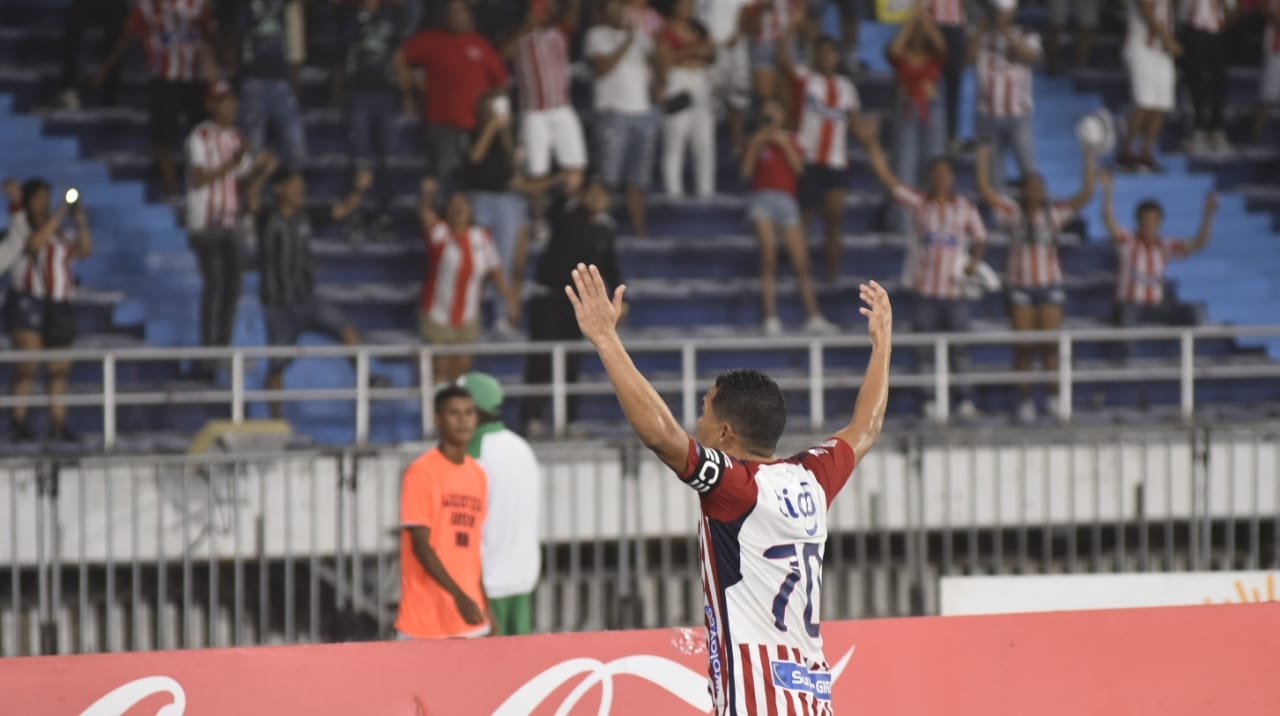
[
  {"x": 946, "y": 12},
  {"x": 216, "y": 204},
  {"x": 1142, "y": 34},
  {"x": 643, "y": 19},
  {"x": 1208, "y": 15},
  {"x": 775, "y": 17},
  {"x": 826, "y": 101},
  {"x": 1004, "y": 81},
  {"x": 456, "y": 271},
  {"x": 944, "y": 231},
  {"x": 1033, "y": 244},
  {"x": 173, "y": 33},
  {"x": 1271, "y": 39},
  {"x": 47, "y": 273},
  {"x": 761, "y": 542},
  {"x": 542, "y": 68},
  {"x": 1140, "y": 277}
]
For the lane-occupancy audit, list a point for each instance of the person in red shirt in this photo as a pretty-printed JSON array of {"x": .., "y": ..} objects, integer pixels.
[
  {"x": 772, "y": 162},
  {"x": 460, "y": 67}
]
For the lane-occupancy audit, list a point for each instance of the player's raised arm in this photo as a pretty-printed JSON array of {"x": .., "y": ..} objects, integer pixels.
[
  {"x": 647, "y": 412},
  {"x": 873, "y": 396}
]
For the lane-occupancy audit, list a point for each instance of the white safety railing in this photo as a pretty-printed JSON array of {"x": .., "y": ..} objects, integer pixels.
[{"x": 821, "y": 376}]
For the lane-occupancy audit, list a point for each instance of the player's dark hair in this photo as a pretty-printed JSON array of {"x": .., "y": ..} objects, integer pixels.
[
  {"x": 447, "y": 393},
  {"x": 1148, "y": 205},
  {"x": 754, "y": 405}
]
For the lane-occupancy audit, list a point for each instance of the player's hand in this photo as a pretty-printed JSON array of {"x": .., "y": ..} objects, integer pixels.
[
  {"x": 470, "y": 611},
  {"x": 879, "y": 313},
  {"x": 597, "y": 314}
]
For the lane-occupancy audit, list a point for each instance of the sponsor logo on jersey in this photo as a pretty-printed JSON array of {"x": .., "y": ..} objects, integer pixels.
[
  {"x": 799, "y": 504},
  {"x": 797, "y": 677},
  {"x": 713, "y": 649}
]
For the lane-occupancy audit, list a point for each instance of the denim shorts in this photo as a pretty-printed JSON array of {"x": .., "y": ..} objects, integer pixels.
[
  {"x": 626, "y": 143},
  {"x": 1044, "y": 296},
  {"x": 503, "y": 213},
  {"x": 777, "y": 207}
]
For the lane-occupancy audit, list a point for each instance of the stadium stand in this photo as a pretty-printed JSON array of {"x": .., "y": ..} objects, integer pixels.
[{"x": 696, "y": 271}]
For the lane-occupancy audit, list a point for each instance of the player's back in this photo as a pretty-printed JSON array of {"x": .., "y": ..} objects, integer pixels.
[{"x": 762, "y": 539}]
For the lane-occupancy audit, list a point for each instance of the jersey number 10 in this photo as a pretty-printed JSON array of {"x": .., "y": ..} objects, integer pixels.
[{"x": 805, "y": 559}]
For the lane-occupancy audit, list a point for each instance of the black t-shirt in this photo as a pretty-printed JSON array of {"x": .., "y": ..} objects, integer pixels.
[
  {"x": 578, "y": 236},
  {"x": 264, "y": 39},
  {"x": 495, "y": 170},
  {"x": 370, "y": 40},
  {"x": 284, "y": 258}
]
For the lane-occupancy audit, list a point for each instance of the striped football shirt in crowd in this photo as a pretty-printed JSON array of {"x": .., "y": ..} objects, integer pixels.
[
  {"x": 217, "y": 204},
  {"x": 542, "y": 68},
  {"x": 1033, "y": 243},
  {"x": 1140, "y": 279},
  {"x": 46, "y": 273},
  {"x": 457, "y": 266},
  {"x": 826, "y": 101},
  {"x": 1004, "y": 81},
  {"x": 944, "y": 231},
  {"x": 173, "y": 34}
]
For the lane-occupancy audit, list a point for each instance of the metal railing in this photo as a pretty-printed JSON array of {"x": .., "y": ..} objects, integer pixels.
[
  {"x": 820, "y": 377},
  {"x": 152, "y": 552}
]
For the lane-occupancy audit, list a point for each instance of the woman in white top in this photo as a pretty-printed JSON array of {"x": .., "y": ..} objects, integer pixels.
[{"x": 38, "y": 308}]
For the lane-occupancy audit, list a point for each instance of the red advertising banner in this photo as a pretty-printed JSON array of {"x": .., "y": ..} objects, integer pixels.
[{"x": 1180, "y": 661}]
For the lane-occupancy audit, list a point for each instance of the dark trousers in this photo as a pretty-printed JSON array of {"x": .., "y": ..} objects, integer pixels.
[
  {"x": 371, "y": 126},
  {"x": 941, "y": 315},
  {"x": 957, "y": 41},
  {"x": 111, "y": 16},
  {"x": 1128, "y": 315},
  {"x": 218, "y": 253},
  {"x": 1204, "y": 67},
  {"x": 550, "y": 319}
]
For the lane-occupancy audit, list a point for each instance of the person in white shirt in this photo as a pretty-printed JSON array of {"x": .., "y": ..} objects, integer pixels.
[
  {"x": 626, "y": 126},
  {"x": 685, "y": 52},
  {"x": 512, "y": 555},
  {"x": 731, "y": 73},
  {"x": 218, "y": 162}
]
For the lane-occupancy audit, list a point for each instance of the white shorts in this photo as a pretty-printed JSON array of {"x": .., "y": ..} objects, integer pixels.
[
  {"x": 1151, "y": 78},
  {"x": 550, "y": 131},
  {"x": 1270, "y": 91},
  {"x": 1085, "y": 12},
  {"x": 731, "y": 76}
]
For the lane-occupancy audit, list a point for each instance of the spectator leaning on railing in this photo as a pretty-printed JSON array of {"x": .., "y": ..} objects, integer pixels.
[
  {"x": 444, "y": 500},
  {"x": 948, "y": 240},
  {"x": 1144, "y": 256},
  {"x": 1034, "y": 221},
  {"x": 38, "y": 309},
  {"x": 512, "y": 539},
  {"x": 218, "y": 162}
]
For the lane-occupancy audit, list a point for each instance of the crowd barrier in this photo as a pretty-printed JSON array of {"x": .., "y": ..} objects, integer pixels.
[
  {"x": 1187, "y": 661},
  {"x": 169, "y": 552}
]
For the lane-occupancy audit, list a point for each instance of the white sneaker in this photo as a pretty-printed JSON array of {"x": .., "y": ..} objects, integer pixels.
[
  {"x": 967, "y": 410},
  {"x": 1051, "y": 406},
  {"x": 772, "y": 327},
  {"x": 504, "y": 329},
  {"x": 818, "y": 324},
  {"x": 1027, "y": 412},
  {"x": 1220, "y": 142}
]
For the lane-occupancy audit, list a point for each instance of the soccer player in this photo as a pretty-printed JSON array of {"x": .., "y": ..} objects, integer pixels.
[{"x": 764, "y": 518}]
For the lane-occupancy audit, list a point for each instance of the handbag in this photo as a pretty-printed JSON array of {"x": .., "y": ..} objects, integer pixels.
[{"x": 677, "y": 103}]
